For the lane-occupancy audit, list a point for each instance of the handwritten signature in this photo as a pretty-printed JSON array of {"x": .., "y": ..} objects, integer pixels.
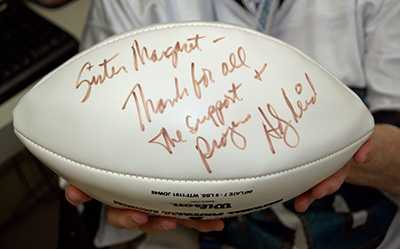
[{"x": 282, "y": 128}]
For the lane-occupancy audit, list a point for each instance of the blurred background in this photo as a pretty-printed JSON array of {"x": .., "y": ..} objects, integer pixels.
[{"x": 36, "y": 36}]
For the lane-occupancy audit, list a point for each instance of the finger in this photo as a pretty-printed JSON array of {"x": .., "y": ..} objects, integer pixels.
[
  {"x": 157, "y": 225},
  {"x": 303, "y": 201},
  {"x": 125, "y": 218},
  {"x": 75, "y": 196},
  {"x": 366, "y": 152},
  {"x": 326, "y": 187},
  {"x": 203, "y": 225},
  {"x": 331, "y": 184}
]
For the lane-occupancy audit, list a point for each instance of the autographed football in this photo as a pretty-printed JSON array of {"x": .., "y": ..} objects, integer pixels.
[{"x": 192, "y": 120}]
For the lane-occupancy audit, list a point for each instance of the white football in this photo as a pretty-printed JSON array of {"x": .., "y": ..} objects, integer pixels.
[{"x": 192, "y": 120}]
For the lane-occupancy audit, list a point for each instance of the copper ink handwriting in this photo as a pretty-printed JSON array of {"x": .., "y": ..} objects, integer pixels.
[
  {"x": 257, "y": 76},
  {"x": 236, "y": 61},
  {"x": 218, "y": 39},
  {"x": 168, "y": 142},
  {"x": 302, "y": 108},
  {"x": 148, "y": 105},
  {"x": 205, "y": 79},
  {"x": 88, "y": 79},
  {"x": 282, "y": 128},
  {"x": 142, "y": 54},
  {"x": 215, "y": 111},
  {"x": 206, "y": 149}
]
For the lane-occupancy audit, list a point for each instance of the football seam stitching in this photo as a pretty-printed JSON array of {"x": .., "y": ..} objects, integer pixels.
[{"x": 189, "y": 180}]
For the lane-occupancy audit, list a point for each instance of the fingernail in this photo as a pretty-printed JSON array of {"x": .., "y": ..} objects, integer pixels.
[
  {"x": 138, "y": 219},
  {"x": 164, "y": 227},
  {"x": 72, "y": 198},
  {"x": 168, "y": 225}
]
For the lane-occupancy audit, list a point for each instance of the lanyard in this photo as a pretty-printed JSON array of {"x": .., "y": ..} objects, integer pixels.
[{"x": 263, "y": 10}]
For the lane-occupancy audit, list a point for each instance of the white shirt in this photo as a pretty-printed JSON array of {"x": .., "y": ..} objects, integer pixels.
[
  {"x": 357, "y": 27},
  {"x": 345, "y": 36}
]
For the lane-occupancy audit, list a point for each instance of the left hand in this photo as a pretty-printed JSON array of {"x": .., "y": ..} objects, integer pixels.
[
  {"x": 383, "y": 171},
  {"x": 332, "y": 184}
]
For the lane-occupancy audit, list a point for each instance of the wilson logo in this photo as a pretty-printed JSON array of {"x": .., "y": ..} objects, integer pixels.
[{"x": 203, "y": 206}]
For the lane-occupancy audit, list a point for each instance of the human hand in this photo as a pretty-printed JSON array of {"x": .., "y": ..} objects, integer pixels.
[
  {"x": 383, "y": 170},
  {"x": 130, "y": 219},
  {"x": 332, "y": 184}
]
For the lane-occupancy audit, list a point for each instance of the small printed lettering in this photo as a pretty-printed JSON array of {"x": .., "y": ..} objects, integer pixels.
[
  {"x": 146, "y": 210},
  {"x": 185, "y": 214},
  {"x": 203, "y": 206},
  {"x": 253, "y": 209},
  {"x": 188, "y": 195},
  {"x": 161, "y": 193},
  {"x": 237, "y": 193}
]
